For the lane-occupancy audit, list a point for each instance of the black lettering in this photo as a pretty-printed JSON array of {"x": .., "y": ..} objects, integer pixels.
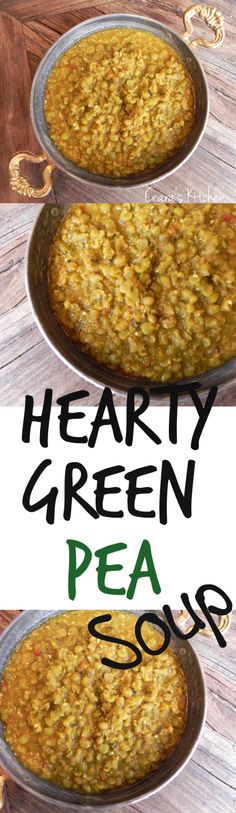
[
  {"x": 200, "y": 598},
  {"x": 134, "y": 413},
  {"x": 184, "y": 499},
  {"x": 133, "y": 490},
  {"x": 174, "y": 391},
  {"x": 106, "y": 402},
  {"x": 152, "y": 618},
  {"x": 101, "y": 619},
  {"x": 43, "y": 419},
  {"x": 71, "y": 490},
  {"x": 49, "y": 500},
  {"x": 198, "y": 624},
  {"x": 102, "y": 490},
  {"x": 66, "y": 416},
  {"x": 203, "y": 412}
]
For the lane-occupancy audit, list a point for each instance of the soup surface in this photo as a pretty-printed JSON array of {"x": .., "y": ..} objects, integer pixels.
[
  {"x": 119, "y": 102},
  {"x": 81, "y": 724},
  {"x": 148, "y": 289}
]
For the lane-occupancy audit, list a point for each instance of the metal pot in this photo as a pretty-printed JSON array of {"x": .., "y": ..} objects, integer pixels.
[
  {"x": 211, "y": 16},
  {"x": 158, "y": 779},
  {"x": 68, "y": 351}
]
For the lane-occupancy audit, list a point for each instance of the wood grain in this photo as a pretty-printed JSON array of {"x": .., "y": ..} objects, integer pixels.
[
  {"x": 27, "y": 364},
  {"x": 210, "y": 171},
  {"x": 208, "y": 783},
  {"x": 15, "y": 126}
]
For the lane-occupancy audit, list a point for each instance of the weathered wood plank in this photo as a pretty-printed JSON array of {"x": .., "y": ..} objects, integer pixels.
[
  {"x": 15, "y": 124},
  {"x": 30, "y": 9}
]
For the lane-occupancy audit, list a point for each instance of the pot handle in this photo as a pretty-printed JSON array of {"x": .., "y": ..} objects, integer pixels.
[
  {"x": 20, "y": 184},
  {"x": 223, "y": 625},
  {"x": 4, "y": 804},
  {"x": 212, "y": 17}
]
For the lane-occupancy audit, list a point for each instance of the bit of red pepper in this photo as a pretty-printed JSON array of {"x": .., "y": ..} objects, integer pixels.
[
  {"x": 173, "y": 229},
  {"x": 37, "y": 653},
  {"x": 227, "y": 218},
  {"x": 83, "y": 664},
  {"x": 71, "y": 66}
]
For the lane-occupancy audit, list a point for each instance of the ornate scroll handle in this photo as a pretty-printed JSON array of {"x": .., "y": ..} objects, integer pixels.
[
  {"x": 212, "y": 17},
  {"x": 3, "y": 780},
  {"x": 223, "y": 625},
  {"x": 20, "y": 184}
]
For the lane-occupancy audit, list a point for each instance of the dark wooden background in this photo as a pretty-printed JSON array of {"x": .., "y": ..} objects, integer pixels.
[
  {"x": 29, "y": 27},
  {"x": 208, "y": 783}
]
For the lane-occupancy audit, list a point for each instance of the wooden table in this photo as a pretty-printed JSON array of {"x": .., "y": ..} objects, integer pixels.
[
  {"x": 27, "y": 365},
  {"x": 208, "y": 783},
  {"x": 29, "y": 27}
]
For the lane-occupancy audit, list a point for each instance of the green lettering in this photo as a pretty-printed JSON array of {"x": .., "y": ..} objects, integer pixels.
[
  {"x": 145, "y": 554},
  {"x": 103, "y": 568},
  {"x": 74, "y": 571}
]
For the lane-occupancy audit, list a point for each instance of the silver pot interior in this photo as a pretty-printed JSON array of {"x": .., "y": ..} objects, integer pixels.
[
  {"x": 70, "y": 352},
  {"x": 95, "y": 25},
  {"x": 67, "y": 799}
]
